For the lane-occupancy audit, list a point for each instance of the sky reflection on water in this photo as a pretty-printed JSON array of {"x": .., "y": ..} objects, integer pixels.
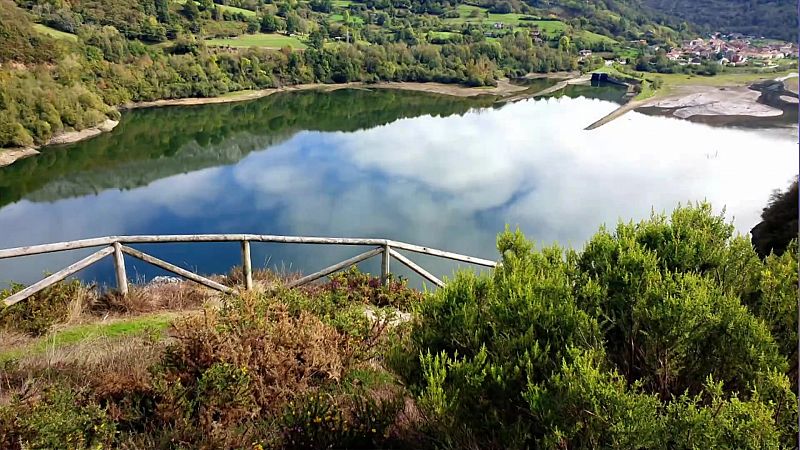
[{"x": 447, "y": 182}]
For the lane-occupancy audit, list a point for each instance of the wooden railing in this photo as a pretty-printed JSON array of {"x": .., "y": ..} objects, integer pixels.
[{"x": 116, "y": 245}]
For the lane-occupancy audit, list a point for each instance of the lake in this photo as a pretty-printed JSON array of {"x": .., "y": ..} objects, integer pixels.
[{"x": 427, "y": 169}]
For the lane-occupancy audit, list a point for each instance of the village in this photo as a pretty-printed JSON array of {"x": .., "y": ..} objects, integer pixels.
[{"x": 733, "y": 50}]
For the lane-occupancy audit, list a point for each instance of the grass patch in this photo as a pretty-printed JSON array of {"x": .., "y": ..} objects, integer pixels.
[
  {"x": 233, "y": 9},
  {"x": 594, "y": 38},
  {"x": 339, "y": 18},
  {"x": 238, "y": 93},
  {"x": 443, "y": 35},
  {"x": 52, "y": 32},
  {"x": 341, "y": 3},
  {"x": 728, "y": 78},
  {"x": 79, "y": 333},
  {"x": 465, "y": 15},
  {"x": 258, "y": 40}
]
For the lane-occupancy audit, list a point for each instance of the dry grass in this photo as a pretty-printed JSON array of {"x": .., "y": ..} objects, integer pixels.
[
  {"x": 91, "y": 363},
  {"x": 153, "y": 297}
]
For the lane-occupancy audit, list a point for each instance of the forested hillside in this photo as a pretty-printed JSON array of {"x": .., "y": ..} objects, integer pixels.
[
  {"x": 68, "y": 65},
  {"x": 775, "y": 19}
]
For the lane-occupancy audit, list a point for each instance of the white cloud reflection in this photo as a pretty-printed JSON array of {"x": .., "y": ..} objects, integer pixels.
[{"x": 449, "y": 182}]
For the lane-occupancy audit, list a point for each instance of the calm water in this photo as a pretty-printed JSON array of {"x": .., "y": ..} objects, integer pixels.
[{"x": 433, "y": 170}]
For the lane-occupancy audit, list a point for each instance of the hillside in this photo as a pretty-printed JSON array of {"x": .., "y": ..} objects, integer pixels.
[{"x": 776, "y": 19}]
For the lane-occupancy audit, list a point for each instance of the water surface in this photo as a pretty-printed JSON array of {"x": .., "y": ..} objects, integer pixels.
[{"x": 439, "y": 171}]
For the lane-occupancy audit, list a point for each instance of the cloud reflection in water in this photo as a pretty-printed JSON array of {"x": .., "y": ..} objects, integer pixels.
[{"x": 450, "y": 182}]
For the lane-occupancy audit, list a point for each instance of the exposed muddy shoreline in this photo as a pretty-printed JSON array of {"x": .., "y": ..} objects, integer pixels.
[
  {"x": 762, "y": 104},
  {"x": 10, "y": 155}
]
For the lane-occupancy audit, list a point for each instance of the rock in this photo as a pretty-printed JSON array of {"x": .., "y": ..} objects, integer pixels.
[{"x": 165, "y": 280}]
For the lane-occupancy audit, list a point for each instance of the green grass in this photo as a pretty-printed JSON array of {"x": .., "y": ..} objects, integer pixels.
[
  {"x": 341, "y": 3},
  {"x": 673, "y": 80},
  {"x": 233, "y": 9},
  {"x": 594, "y": 38},
  {"x": 73, "y": 335},
  {"x": 442, "y": 34},
  {"x": 339, "y": 18},
  {"x": 238, "y": 93},
  {"x": 258, "y": 40},
  {"x": 52, "y": 32},
  {"x": 727, "y": 78},
  {"x": 765, "y": 42},
  {"x": 549, "y": 27}
]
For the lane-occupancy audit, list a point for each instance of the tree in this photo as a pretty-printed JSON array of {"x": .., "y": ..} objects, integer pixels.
[
  {"x": 778, "y": 226},
  {"x": 293, "y": 23},
  {"x": 190, "y": 10},
  {"x": 324, "y": 6},
  {"x": 162, "y": 11},
  {"x": 564, "y": 44},
  {"x": 269, "y": 24},
  {"x": 502, "y": 7}
]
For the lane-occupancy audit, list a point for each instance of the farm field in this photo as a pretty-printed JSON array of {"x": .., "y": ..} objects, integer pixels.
[
  {"x": 467, "y": 15},
  {"x": 258, "y": 40}
]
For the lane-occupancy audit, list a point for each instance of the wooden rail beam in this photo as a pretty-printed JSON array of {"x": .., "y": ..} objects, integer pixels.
[
  {"x": 177, "y": 270},
  {"x": 336, "y": 267},
  {"x": 57, "y": 247},
  {"x": 416, "y": 268},
  {"x": 442, "y": 254},
  {"x": 109, "y": 240},
  {"x": 58, "y": 276}
]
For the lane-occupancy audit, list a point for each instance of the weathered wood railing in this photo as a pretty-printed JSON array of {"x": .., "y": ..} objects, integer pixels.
[{"x": 116, "y": 245}]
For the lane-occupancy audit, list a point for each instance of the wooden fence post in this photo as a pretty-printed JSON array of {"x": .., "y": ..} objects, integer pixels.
[
  {"x": 385, "y": 257},
  {"x": 247, "y": 268},
  {"x": 119, "y": 266}
]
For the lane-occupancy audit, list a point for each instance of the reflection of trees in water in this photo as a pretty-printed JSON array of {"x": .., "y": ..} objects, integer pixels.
[
  {"x": 605, "y": 91},
  {"x": 157, "y": 143}
]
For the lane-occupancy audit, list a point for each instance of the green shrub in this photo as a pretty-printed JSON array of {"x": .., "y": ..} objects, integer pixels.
[
  {"x": 355, "y": 287},
  {"x": 59, "y": 420},
  {"x": 41, "y": 311},
  {"x": 666, "y": 318},
  {"x": 354, "y": 421},
  {"x": 658, "y": 335},
  {"x": 484, "y": 339}
]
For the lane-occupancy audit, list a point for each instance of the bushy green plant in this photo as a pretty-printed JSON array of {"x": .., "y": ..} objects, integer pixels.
[
  {"x": 353, "y": 286},
  {"x": 38, "y": 313},
  {"x": 666, "y": 318},
  {"x": 661, "y": 334},
  {"x": 59, "y": 420},
  {"x": 484, "y": 339},
  {"x": 355, "y": 421}
]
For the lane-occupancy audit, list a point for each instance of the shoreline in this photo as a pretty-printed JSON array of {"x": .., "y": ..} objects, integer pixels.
[
  {"x": 10, "y": 155},
  {"x": 698, "y": 103},
  {"x": 687, "y": 102},
  {"x": 504, "y": 88}
]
